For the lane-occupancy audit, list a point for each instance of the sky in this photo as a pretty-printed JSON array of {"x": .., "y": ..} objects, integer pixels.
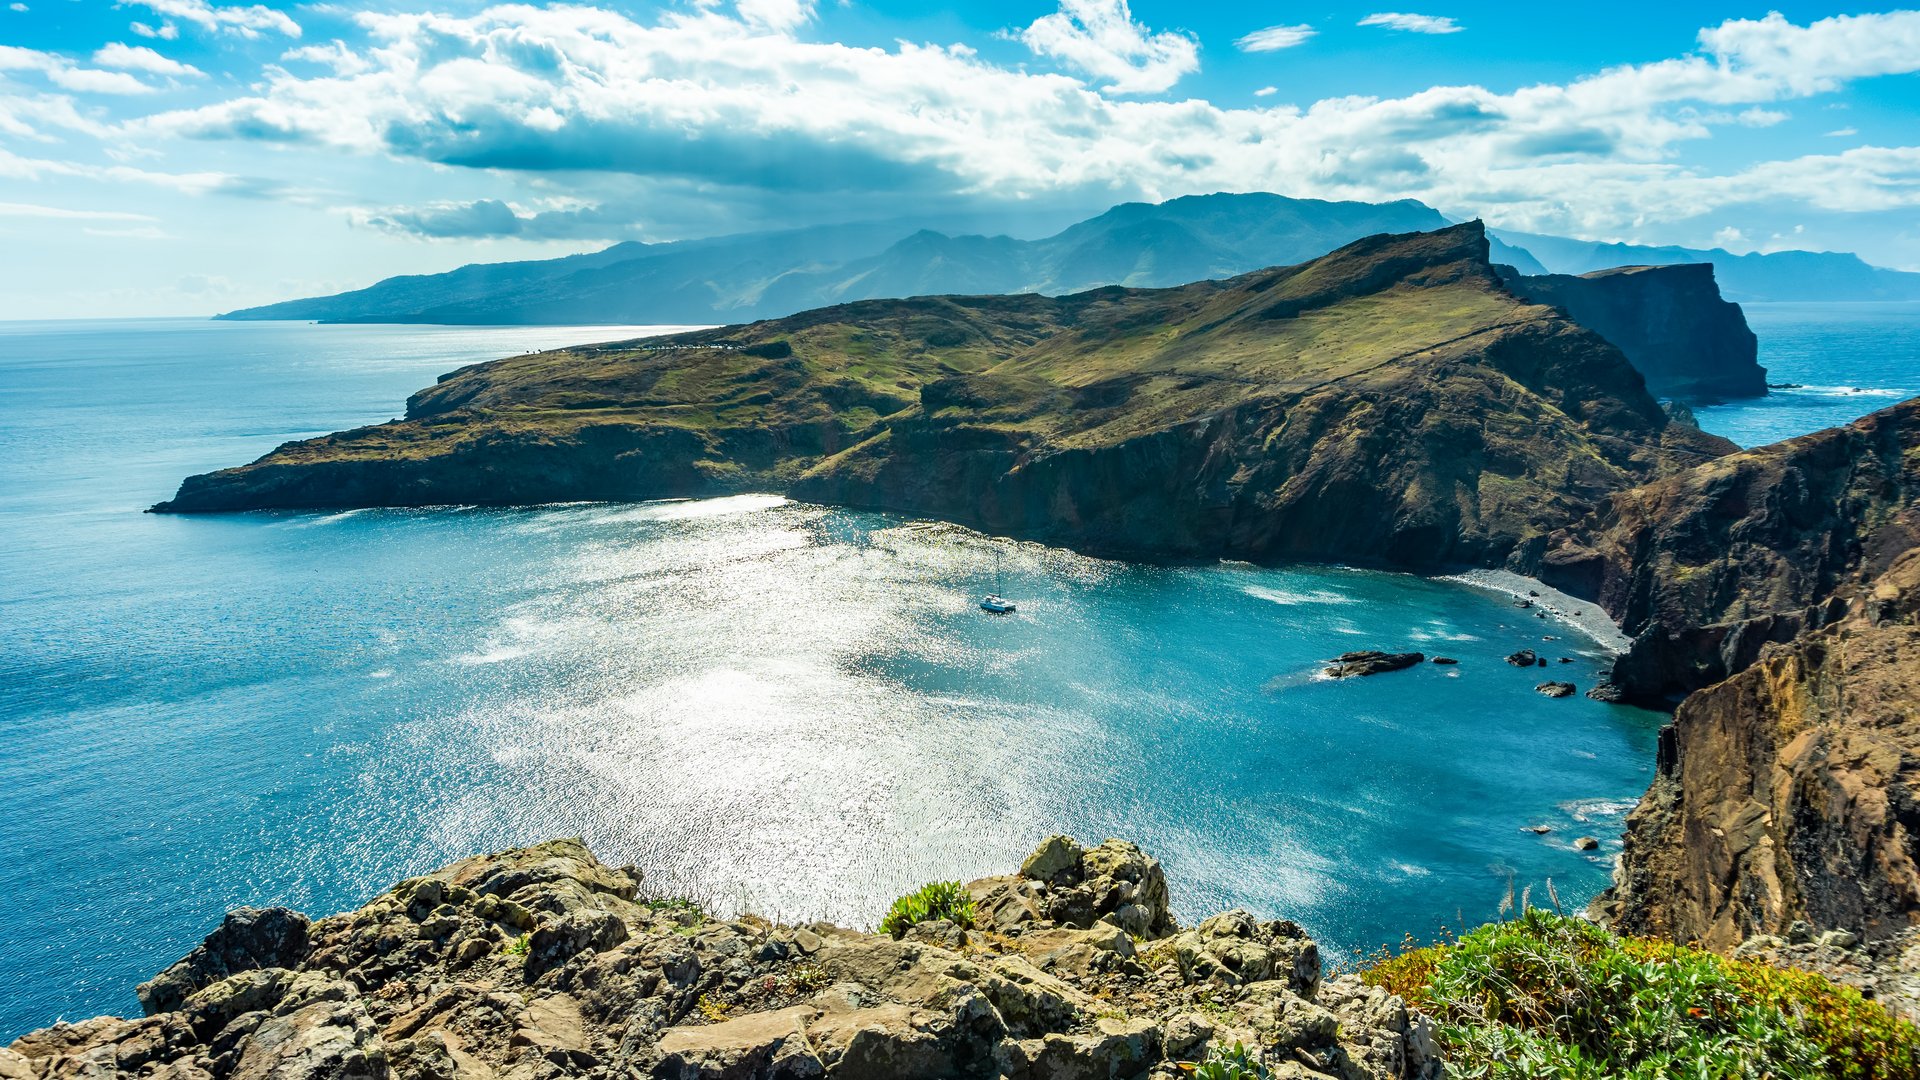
[{"x": 182, "y": 157}]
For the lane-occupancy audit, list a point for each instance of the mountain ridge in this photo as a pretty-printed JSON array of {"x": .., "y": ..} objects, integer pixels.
[{"x": 750, "y": 276}]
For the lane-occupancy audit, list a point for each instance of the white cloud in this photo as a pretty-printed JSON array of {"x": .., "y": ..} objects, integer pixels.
[
  {"x": 141, "y": 58},
  {"x": 1266, "y": 91},
  {"x": 1842, "y": 133},
  {"x": 713, "y": 101},
  {"x": 1099, "y": 38},
  {"x": 1730, "y": 238},
  {"x": 247, "y": 21},
  {"x": 166, "y": 31},
  {"x": 776, "y": 14},
  {"x": 342, "y": 60},
  {"x": 1275, "y": 38},
  {"x": 1414, "y": 24},
  {"x": 94, "y": 81},
  {"x": 135, "y": 232},
  {"x": 15, "y": 167},
  {"x": 63, "y": 73},
  {"x": 8, "y": 209},
  {"x": 16, "y": 6}
]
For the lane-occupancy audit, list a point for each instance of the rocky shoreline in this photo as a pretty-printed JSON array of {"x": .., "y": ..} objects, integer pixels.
[{"x": 541, "y": 962}]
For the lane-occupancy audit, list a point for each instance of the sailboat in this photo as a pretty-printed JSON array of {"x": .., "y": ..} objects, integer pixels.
[{"x": 993, "y": 603}]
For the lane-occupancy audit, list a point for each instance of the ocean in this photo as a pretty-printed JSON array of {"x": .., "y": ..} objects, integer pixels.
[{"x": 762, "y": 704}]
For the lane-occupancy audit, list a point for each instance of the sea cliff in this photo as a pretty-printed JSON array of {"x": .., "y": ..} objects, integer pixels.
[{"x": 1670, "y": 321}]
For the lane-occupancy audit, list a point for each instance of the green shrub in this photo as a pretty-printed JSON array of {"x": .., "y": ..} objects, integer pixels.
[
  {"x": 935, "y": 900},
  {"x": 1547, "y": 996},
  {"x": 1222, "y": 1063}
]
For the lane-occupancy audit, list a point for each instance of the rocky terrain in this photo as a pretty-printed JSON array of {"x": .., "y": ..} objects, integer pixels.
[
  {"x": 541, "y": 962},
  {"x": 1708, "y": 566},
  {"x": 1391, "y": 402},
  {"x": 1670, "y": 321},
  {"x": 1785, "y": 793}
]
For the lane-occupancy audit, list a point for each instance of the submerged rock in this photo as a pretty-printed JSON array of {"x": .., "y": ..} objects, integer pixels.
[
  {"x": 1445, "y": 660},
  {"x": 540, "y": 963},
  {"x": 1351, "y": 664}
]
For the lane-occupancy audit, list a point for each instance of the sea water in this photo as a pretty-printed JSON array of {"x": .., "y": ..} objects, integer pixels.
[
  {"x": 1830, "y": 363},
  {"x": 764, "y": 704}
]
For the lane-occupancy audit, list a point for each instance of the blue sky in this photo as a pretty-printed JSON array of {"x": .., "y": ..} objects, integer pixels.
[{"x": 190, "y": 156}]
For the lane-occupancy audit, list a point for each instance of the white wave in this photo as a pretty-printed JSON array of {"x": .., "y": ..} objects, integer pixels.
[
  {"x": 1589, "y": 809},
  {"x": 685, "y": 509},
  {"x": 1849, "y": 391},
  {"x": 1289, "y": 598}
]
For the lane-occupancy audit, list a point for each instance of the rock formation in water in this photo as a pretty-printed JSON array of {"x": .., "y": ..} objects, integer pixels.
[
  {"x": 1390, "y": 402},
  {"x": 1670, "y": 321},
  {"x": 541, "y": 963}
]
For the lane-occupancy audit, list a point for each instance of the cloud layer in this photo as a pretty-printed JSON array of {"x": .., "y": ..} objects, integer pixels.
[{"x": 737, "y": 100}]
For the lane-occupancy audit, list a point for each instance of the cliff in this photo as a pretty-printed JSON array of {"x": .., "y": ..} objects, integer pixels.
[
  {"x": 541, "y": 962},
  {"x": 1392, "y": 401},
  {"x": 1705, "y": 567},
  {"x": 1755, "y": 276},
  {"x": 1787, "y": 793},
  {"x": 1670, "y": 321}
]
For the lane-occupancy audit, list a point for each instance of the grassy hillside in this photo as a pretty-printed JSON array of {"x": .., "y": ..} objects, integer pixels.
[{"x": 1392, "y": 400}]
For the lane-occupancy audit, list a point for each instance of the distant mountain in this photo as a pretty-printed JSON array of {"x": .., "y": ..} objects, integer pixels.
[
  {"x": 1782, "y": 275},
  {"x": 770, "y": 274}
]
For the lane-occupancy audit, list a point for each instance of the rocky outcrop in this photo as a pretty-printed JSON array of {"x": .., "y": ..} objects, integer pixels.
[
  {"x": 1670, "y": 321},
  {"x": 540, "y": 963},
  {"x": 1786, "y": 793},
  {"x": 1373, "y": 662},
  {"x": 1707, "y": 567}
]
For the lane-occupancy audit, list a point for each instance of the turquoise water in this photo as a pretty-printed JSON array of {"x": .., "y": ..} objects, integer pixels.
[
  {"x": 784, "y": 706},
  {"x": 1849, "y": 359}
]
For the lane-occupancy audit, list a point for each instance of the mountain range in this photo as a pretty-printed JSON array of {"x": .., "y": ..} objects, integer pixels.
[{"x": 1140, "y": 245}]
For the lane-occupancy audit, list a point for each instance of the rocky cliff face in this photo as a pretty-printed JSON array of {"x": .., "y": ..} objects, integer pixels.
[
  {"x": 1707, "y": 566},
  {"x": 1788, "y": 792},
  {"x": 541, "y": 963},
  {"x": 1391, "y": 402},
  {"x": 1670, "y": 321}
]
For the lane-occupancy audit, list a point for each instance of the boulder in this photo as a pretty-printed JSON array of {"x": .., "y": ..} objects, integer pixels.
[
  {"x": 247, "y": 939},
  {"x": 1057, "y": 858},
  {"x": 1556, "y": 689},
  {"x": 763, "y": 1046},
  {"x": 1523, "y": 658},
  {"x": 1350, "y": 664},
  {"x": 1234, "y": 948}
]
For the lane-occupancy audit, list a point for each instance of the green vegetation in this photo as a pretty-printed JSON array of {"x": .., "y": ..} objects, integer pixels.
[
  {"x": 518, "y": 946},
  {"x": 1545, "y": 996},
  {"x": 935, "y": 900},
  {"x": 1223, "y": 1063}
]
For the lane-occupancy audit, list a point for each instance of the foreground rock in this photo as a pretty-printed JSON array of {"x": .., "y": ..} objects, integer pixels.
[{"x": 541, "y": 963}]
